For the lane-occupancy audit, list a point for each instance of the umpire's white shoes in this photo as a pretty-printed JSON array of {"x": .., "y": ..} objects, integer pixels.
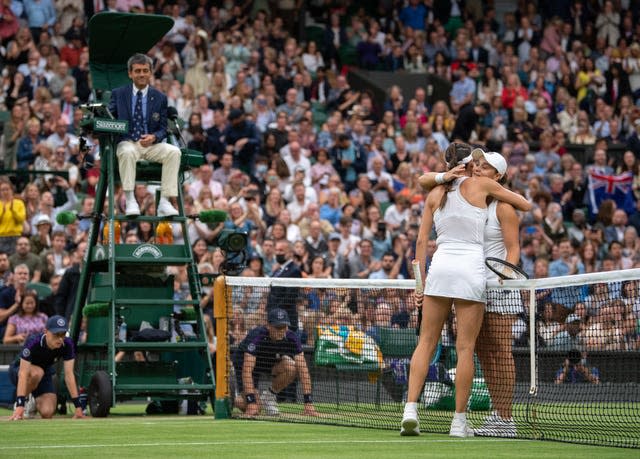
[
  {"x": 269, "y": 403},
  {"x": 460, "y": 428},
  {"x": 410, "y": 426},
  {"x": 497, "y": 426},
  {"x": 132, "y": 208},
  {"x": 165, "y": 209}
]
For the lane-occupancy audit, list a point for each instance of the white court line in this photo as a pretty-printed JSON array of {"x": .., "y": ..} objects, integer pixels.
[{"x": 235, "y": 442}]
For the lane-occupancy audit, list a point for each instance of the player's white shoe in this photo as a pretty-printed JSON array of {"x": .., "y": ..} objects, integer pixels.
[
  {"x": 460, "y": 428},
  {"x": 410, "y": 425},
  {"x": 269, "y": 403},
  {"x": 496, "y": 426}
]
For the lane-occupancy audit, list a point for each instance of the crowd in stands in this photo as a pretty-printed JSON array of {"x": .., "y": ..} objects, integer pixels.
[{"x": 294, "y": 153}]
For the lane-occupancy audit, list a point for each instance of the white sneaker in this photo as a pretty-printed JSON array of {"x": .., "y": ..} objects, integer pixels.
[
  {"x": 410, "y": 426},
  {"x": 496, "y": 426},
  {"x": 269, "y": 403},
  {"x": 460, "y": 429},
  {"x": 30, "y": 408},
  {"x": 132, "y": 208},
  {"x": 165, "y": 209}
]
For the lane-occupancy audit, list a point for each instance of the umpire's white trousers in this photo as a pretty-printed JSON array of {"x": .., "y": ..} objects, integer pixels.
[{"x": 168, "y": 155}]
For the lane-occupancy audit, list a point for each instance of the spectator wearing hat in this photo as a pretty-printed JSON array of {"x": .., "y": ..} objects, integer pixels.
[
  {"x": 273, "y": 351},
  {"x": 33, "y": 372},
  {"x": 42, "y": 239},
  {"x": 242, "y": 138}
]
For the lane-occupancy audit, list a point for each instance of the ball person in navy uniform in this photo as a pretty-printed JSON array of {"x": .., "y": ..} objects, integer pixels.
[
  {"x": 33, "y": 372},
  {"x": 271, "y": 350}
]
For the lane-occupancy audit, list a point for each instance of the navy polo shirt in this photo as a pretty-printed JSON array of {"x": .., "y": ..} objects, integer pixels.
[
  {"x": 267, "y": 351},
  {"x": 37, "y": 352}
]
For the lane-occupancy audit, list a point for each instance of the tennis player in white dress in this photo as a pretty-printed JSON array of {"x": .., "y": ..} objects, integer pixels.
[{"x": 457, "y": 272}]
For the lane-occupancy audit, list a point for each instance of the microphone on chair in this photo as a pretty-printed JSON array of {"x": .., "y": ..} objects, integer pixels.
[{"x": 172, "y": 113}]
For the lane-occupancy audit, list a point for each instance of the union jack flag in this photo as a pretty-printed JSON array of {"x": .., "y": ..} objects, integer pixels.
[{"x": 616, "y": 187}]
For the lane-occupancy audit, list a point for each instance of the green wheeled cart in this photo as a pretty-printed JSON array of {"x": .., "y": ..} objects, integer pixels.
[{"x": 128, "y": 283}]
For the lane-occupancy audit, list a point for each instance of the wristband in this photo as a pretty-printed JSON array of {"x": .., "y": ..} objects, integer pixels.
[
  {"x": 440, "y": 178},
  {"x": 307, "y": 398},
  {"x": 250, "y": 398},
  {"x": 20, "y": 401},
  {"x": 76, "y": 402}
]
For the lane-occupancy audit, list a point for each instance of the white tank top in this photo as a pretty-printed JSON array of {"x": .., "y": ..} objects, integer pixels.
[
  {"x": 459, "y": 222},
  {"x": 493, "y": 239}
]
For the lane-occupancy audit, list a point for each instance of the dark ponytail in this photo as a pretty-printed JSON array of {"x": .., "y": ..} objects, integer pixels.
[{"x": 453, "y": 155}]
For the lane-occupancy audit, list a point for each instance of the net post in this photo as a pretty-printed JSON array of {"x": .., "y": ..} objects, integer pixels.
[
  {"x": 533, "y": 387},
  {"x": 223, "y": 402}
]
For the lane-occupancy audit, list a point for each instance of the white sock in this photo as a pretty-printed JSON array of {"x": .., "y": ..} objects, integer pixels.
[
  {"x": 413, "y": 406},
  {"x": 130, "y": 196},
  {"x": 460, "y": 416}
]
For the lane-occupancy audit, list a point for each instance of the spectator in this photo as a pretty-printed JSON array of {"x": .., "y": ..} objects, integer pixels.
[
  {"x": 64, "y": 301},
  {"x": 12, "y": 217},
  {"x": 242, "y": 138},
  {"x": 24, "y": 256},
  {"x": 576, "y": 370},
  {"x": 26, "y": 321},
  {"x": 12, "y": 293},
  {"x": 568, "y": 263},
  {"x": 463, "y": 91},
  {"x": 468, "y": 119},
  {"x": 389, "y": 268}
]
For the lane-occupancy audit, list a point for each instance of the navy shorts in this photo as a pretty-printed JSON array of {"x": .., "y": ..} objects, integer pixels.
[
  {"x": 261, "y": 368},
  {"x": 46, "y": 385}
]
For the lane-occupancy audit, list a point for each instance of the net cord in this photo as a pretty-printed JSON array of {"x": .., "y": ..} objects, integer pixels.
[{"x": 409, "y": 284}]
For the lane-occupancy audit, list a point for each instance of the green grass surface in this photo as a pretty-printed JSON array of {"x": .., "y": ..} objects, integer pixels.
[{"x": 129, "y": 433}]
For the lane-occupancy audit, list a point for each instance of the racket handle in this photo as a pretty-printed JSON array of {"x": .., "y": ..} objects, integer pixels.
[{"x": 417, "y": 274}]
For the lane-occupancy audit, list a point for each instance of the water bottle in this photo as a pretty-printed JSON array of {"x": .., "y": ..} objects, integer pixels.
[{"x": 122, "y": 331}]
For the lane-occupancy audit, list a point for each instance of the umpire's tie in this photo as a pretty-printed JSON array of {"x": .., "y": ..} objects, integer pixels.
[{"x": 138, "y": 120}]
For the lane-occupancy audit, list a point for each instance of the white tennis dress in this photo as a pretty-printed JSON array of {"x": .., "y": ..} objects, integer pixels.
[
  {"x": 457, "y": 269},
  {"x": 498, "y": 301}
]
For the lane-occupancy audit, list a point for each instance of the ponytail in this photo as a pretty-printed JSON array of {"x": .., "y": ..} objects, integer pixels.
[{"x": 455, "y": 154}]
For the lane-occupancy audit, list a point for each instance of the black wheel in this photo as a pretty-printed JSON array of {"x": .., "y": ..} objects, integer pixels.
[{"x": 99, "y": 395}]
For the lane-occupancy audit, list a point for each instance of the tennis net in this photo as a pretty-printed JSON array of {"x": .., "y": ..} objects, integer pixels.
[{"x": 577, "y": 381}]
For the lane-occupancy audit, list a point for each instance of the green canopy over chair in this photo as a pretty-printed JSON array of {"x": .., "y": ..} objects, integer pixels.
[{"x": 114, "y": 38}]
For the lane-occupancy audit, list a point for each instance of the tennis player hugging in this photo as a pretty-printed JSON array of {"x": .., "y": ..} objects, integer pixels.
[{"x": 458, "y": 209}]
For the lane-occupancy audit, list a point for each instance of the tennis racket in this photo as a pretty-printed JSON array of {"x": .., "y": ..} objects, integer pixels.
[
  {"x": 505, "y": 270},
  {"x": 417, "y": 274}
]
